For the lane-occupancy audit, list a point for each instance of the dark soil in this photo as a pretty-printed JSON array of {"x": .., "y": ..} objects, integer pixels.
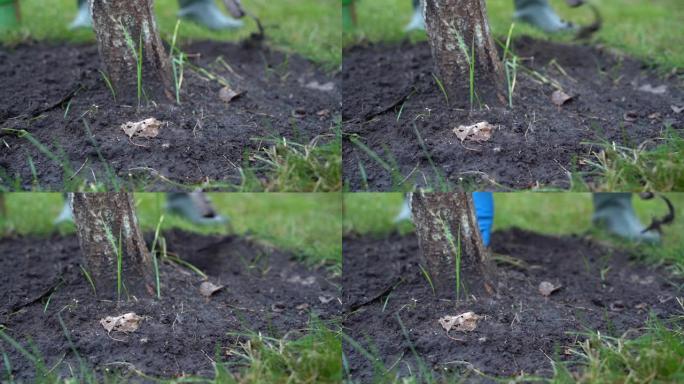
[
  {"x": 521, "y": 327},
  {"x": 182, "y": 331},
  {"x": 536, "y": 142},
  {"x": 205, "y": 138}
]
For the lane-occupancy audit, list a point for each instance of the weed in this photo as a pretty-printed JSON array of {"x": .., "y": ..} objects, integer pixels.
[
  {"x": 177, "y": 63},
  {"x": 441, "y": 88},
  {"x": 427, "y": 277},
  {"x": 510, "y": 66},
  {"x": 109, "y": 85},
  {"x": 137, "y": 55},
  {"x": 89, "y": 278},
  {"x": 154, "y": 255}
]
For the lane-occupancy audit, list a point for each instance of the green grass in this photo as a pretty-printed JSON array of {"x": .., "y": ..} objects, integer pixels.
[
  {"x": 657, "y": 356},
  {"x": 642, "y": 28},
  {"x": 621, "y": 168},
  {"x": 549, "y": 213},
  {"x": 306, "y": 224},
  {"x": 309, "y": 27},
  {"x": 313, "y": 358}
]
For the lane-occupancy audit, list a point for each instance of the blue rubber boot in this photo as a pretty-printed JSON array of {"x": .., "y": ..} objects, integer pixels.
[{"x": 484, "y": 212}]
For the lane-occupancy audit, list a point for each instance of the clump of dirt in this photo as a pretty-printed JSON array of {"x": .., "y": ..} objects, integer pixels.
[
  {"x": 53, "y": 91},
  {"x": 600, "y": 289},
  {"x": 264, "y": 290},
  {"x": 389, "y": 92}
]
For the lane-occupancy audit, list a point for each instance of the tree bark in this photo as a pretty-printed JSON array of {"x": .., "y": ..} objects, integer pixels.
[
  {"x": 446, "y": 226},
  {"x": 101, "y": 217},
  {"x": 112, "y": 20},
  {"x": 454, "y": 28}
]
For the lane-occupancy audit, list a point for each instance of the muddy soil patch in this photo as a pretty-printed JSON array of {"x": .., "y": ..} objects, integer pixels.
[
  {"x": 386, "y": 89},
  {"x": 520, "y": 327},
  {"x": 265, "y": 290},
  {"x": 52, "y": 91}
]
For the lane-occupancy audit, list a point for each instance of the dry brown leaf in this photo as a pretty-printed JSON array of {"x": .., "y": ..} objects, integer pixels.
[
  {"x": 227, "y": 94},
  {"x": 146, "y": 128},
  {"x": 208, "y": 288},
  {"x": 128, "y": 322},
  {"x": 677, "y": 109},
  {"x": 481, "y": 131},
  {"x": 465, "y": 322},
  {"x": 325, "y": 299},
  {"x": 659, "y": 90},
  {"x": 546, "y": 288},
  {"x": 559, "y": 97},
  {"x": 631, "y": 116}
]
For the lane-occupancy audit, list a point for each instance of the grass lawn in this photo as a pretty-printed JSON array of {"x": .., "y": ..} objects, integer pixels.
[
  {"x": 308, "y": 27},
  {"x": 642, "y": 28},
  {"x": 656, "y": 354},
  {"x": 307, "y": 224}
]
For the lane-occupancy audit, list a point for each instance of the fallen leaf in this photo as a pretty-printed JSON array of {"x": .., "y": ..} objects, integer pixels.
[
  {"x": 208, "y": 288},
  {"x": 325, "y": 299},
  {"x": 465, "y": 322},
  {"x": 278, "y": 307},
  {"x": 631, "y": 116},
  {"x": 302, "y": 307},
  {"x": 617, "y": 306},
  {"x": 128, "y": 322},
  {"x": 146, "y": 128},
  {"x": 654, "y": 116},
  {"x": 546, "y": 288},
  {"x": 659, "y": 90},
  {"x": 559, "y": 97},
  {"x": 677, "y": 109},
  {"x": 477, "y": 132},
  {"x": 296, "y": 279},
  {"x": 327, "y": 87},
  {"x": 641, "y": 306},
  {"x": 227, "y": 94}
]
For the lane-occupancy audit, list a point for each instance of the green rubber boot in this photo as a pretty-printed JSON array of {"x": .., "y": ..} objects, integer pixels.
[
  {"x": 207, "y": 14},
  {"x": 614, "y": 213},
  {"x": 194, "y": 207},
  {"x": 540, "y": 14},
  {"x": 82, "y": 19},
  {"x": 8, "y": 15}
]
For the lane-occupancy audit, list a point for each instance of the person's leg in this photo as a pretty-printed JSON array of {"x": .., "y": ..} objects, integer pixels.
[
  {"x": 195, "y": 207},
  {"x": 207, "y": 14},
  {"x": 614, "y": 212},
  {"x": 82, "y": 19},
  {"x": 484, "y": 211},
  {"x": 417, "y": 20},
  {"x": 540, "y": 14}
]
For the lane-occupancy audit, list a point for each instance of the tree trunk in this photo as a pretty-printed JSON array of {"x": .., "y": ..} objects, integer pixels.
[
  {"x": 106, "y": 218},
  {"x": 113, "y": 21},
  {"x": 455, "y": 28},
  {"x": 451, "y": 244}
]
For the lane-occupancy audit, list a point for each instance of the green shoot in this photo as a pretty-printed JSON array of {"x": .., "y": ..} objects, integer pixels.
[
  {"x": 510, "y": 66},
  {"x": 456, "y": 249},
  {"x": 119, "y": 257},
  {"x": 441, "y": 88},
  {"x": 137, "y": 54},
  {"x": 427, "y": 277},
  {"x": 109, "y": 85},
  {"x": 154, "y": 255},
  {"x": 177, "y": 63},
  {"x": 90, "y": 279}
]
